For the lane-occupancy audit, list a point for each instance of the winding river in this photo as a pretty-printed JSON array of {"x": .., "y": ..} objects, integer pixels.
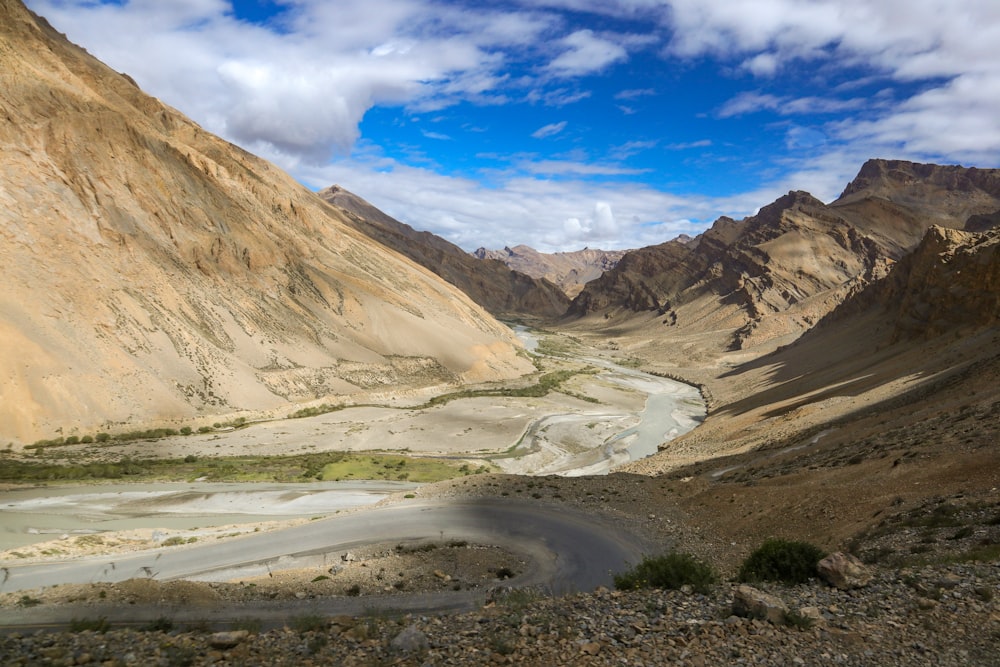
[
  {"x": 560, "y": 443},
  {"x": 672, "y": 408}
]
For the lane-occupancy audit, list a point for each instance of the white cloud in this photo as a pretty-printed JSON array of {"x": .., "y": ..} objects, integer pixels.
[
  {"x": 634, "y": 93},
  {"x": 949, "y": 45},
  {"x": 549, "y": 130},
  {"x": 576, "y": 168},
  {"x": 586, "y": 53},
  {"x": 302, "y": 91},
  {"x": 550, "y": 215}
]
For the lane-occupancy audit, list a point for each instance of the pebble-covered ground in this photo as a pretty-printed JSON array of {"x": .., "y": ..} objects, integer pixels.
[{"x": 935, "y": 616}]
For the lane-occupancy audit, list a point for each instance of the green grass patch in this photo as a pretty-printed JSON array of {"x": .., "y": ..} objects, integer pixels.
[
  {"x": 546, "y": 383},
  {"x": 297, "y": 468},
  {"x": 315, "y": 410}
]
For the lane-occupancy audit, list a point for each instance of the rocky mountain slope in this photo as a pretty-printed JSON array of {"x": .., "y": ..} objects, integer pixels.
[
  {"x": 773, "y": 275},
  {"x": 569, "y": 270},
  {"x": 152, "y": 272},
  {"x": 491, "y": 284},
  {"x": 879, "y": 418}
]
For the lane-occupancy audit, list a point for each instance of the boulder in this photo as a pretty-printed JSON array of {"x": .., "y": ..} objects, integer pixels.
[
  {"x": 752, "y": 603},
  {"x": 844, "y": 571},
  {"x": 227, "y": 640},
  {"x": 410, "y": 640}
]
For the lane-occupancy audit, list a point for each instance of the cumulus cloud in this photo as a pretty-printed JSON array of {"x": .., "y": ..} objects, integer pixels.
[
  {"x": 550, "y": 215},
  {"x": 584, "y": 53},
  {"x": 300, "y": 88},
  {"x": 951, "y": 46}
]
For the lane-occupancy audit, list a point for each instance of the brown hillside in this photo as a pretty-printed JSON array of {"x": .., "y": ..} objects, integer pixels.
[
  {"x": 491, "y": 284},
  {"x": 881, "y": 413},
  {"x": 153, "y": 272}
]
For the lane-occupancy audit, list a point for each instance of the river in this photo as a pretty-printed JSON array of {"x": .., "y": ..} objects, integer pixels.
[
  {"x": 569, "y": 443},
  {"x": 671, "y": 409}
]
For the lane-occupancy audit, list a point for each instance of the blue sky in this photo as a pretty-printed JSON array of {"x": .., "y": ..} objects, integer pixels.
[{"x": 567, "y": 123}]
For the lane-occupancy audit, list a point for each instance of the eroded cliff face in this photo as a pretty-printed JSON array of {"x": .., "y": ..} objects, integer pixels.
[
  {"x": 153, "y": 272},
  {"x": 775, "y": 274},
  {"x": 490, "y": 283},
  {"x": 950, "y": 282}
]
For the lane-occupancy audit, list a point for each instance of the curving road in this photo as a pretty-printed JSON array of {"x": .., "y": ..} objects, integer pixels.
[{"x": 566, "y": 551}]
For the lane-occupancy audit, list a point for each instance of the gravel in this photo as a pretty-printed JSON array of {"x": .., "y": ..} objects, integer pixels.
[{"x": 932, "y": 615}]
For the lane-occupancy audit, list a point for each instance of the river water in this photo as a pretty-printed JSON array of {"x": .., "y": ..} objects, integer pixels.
[{"x": 672, "y": 408}]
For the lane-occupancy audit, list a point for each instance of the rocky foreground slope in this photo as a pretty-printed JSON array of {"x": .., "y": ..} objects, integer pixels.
[
  {"x": 934, "y": 617},
  {"x": 497, "y": 288},
  {"x": 153, "y": 272}
]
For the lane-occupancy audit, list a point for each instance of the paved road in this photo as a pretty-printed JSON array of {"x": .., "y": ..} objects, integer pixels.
[{"x": 566, "y": 550}]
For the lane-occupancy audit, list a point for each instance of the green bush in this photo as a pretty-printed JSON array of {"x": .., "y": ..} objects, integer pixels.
[
  {"x": 786, "y": 561},
  {"x": 670, "y": 571}
]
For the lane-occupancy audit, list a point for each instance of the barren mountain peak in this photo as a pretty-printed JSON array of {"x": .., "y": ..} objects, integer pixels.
[{"x": 153, "y": 272}]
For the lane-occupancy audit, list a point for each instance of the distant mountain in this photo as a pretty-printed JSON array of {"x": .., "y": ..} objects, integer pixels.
[
  {"x": 569, "y": 270},
  {"x": 491, "y": 284},
  {"x": 152, "y": 272},
  {"x": 775, "y": 274}
]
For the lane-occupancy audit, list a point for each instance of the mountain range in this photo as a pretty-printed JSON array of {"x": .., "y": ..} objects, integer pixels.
[
  {"x": 492, "y": 284},
  {"x": 155, "y": 274},
  {"x": 152, "y": 272},
  {"x": 569, "y": 270}
]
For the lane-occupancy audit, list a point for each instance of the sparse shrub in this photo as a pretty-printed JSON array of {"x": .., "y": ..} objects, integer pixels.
[
  {"x": 100, "y": 625},
  {"x": 161, "y": 624},
  {"x": 190, "y": 458},
  {"x": 72, "y": 440},
  {"x": 87, "y": 439},
  {"x": 251, "y": 625},
  {"x": 186, "y": 430},
  {"x": 962, "y": 533},
  {"x": 102, "y": 437},
  {"x": 308, "y": 623},
  {"x": 787, "y": 561},
  {"x": 669, "y": 571},
  {"x": 797, "y": 620}
]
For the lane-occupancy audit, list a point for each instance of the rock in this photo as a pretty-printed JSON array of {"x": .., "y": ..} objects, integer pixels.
[
  {"x": 410, "y": 640},
  {"x": 814, "y": 615},
  {"x": 844, "y": 571},
  {"x": 591, "y": 648},
  {"x": 348, "y": 557},
  {"x": 227, "y": 640},
  {"x": 752, "y": 603}
]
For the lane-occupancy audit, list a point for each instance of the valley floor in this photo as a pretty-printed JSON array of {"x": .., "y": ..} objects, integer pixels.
[{"x": 902, "y": 470}]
